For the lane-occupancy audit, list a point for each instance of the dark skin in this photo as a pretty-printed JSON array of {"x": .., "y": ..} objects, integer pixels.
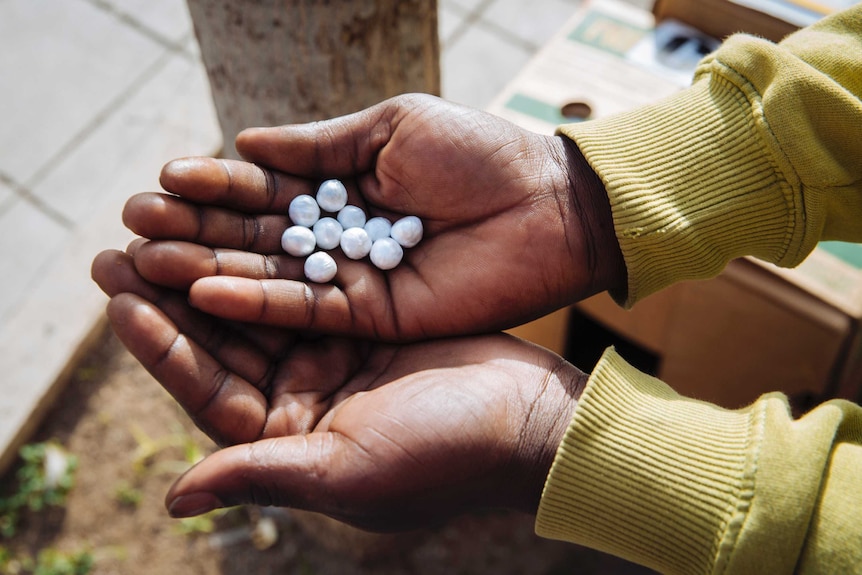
[
  {"x": 516, "y": 224},
  {"x": 379, "y": 435},
  {"x": 382, "y": 436}
]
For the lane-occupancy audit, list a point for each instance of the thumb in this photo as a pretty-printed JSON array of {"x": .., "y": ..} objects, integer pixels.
[
  {"x": 295, "y": 471},
  {"x": 335, "y": 148}
]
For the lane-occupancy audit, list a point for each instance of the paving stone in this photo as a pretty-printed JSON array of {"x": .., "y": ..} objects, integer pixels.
[
  {"x": 171, "y": 115},
  {"x": 42, "y": 336},
  {"x": 448, "y": 21},
  {"x": 168, "y": 19},
  {"x": 6, "y": 198},
  {"x": 469, "y": 5},
  {"x": 65, "y": 62},
  {"x": 478, "y": 64},
  {"x": 545, "y": 18},
  {"x": 29, "y": 240}
]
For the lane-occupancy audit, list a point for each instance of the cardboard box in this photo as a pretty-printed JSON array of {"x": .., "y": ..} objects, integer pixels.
[
  {"x": 586, "y": 68},
  {"x": 755, "y": 328},
  {"x": 721, "y": 18},
  {"x": 771, "y": 19}
]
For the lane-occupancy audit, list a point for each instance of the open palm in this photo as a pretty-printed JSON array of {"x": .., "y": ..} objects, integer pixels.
[
  {"x": 515, "y": 225},
  {"x": 381, "y": 436}
]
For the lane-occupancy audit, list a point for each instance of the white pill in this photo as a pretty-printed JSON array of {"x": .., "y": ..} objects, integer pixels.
[
  {"x": 355, "y": 243},
  {"x": 378, "y": 228},
  {"x": 320, "y": 267},
  {"x": 331, "y": 196},
  {"x": 304, "y": 211},
  {"x": 327, "y": 232},
  {"x": 298, "y": 241},
  {"x": 351, "y": 217},
  {"x": 407, "y": 231},
  {"x": 386, "y": 253}
]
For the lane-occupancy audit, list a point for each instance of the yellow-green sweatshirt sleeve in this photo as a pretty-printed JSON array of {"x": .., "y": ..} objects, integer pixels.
[
  {"x": 686, "y": 487},
  {"x": 761, "y": 156}
]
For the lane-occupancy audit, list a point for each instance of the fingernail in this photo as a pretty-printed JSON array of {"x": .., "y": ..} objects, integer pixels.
[
  {"x": 180, "y": 166},
  {"x": 193, "y": 504}
]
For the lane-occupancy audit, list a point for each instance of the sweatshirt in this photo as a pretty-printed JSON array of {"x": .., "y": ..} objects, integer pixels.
[{"x": 761, "y": 156}]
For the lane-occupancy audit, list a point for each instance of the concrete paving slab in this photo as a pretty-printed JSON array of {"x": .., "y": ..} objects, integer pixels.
[
  {"x": 173, "y": 106},
  {"x": 448, "y": 21},
  {"x": 191, "y": 46},
  {"x": 478, "y": 64},
  {"x": 29, "y": 240},
  {"x": 42, "y": 337},
  {"x": 169, "y": 20},
  {"x": 61, "y": 63},
  {"x": 545, "y": 18},
  {"x": 6, "y": 197},
  {"x": 469, "y": 5}
]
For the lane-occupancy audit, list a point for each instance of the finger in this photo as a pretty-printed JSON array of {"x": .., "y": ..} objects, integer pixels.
[
  {"x": 159, "y": 216},
  {"x": 224, "y": 405},
  {"x": 178, "y": 264},
  {"x": 285, "y": 303},
  {"x": 115, "y": 273},
  {"x": 134, "y": 245},
  {"x": 304, "y": 472},
  {"x": 326, "y": 473},
  {"x": 239, "y": 185},
  {"x": 357, "y": 303},
  {"x": 339, "y": 147},
  {"x": 269, "y": 341}
]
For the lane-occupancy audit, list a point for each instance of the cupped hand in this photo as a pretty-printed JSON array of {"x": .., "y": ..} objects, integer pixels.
[
  {"x": 381, "y": 436},
  {"x": 516, "y": 224}
]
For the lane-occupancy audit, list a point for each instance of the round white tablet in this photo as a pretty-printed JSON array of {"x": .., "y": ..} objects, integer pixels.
[
  {"x": 320, "y": 267},
  {"x": 327, "y": 232},
  {"x": 355, "y": 243},
  {"x": 407, "y": 231},
  {"x": 304, "y": 211},
  {"x": 351, "y": 217},
  {"x": 331, "y": 196},
  {"x": 378, "y": 228},
  {"x": 298, "y": 241},
  {"x": 386, "y": 253}
]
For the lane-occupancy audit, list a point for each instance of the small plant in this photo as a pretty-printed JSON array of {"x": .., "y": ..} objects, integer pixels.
[
  {"x": 47, "y": 562},
  {"x": 44, "y": 479},
  {"x": 149, "y": 449},
  {"x": 53, "y": 562},
  {"x": 128, "y": 495},
  {"x": 197, "y": 525}
]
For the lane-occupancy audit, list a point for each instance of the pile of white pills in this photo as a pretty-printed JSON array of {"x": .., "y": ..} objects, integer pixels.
[{"x": 346, "y": 227}]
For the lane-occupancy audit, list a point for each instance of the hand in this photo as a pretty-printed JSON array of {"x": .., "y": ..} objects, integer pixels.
[
  {"x": 380, "y": 436},
  {"x": 516, "y": 224}
]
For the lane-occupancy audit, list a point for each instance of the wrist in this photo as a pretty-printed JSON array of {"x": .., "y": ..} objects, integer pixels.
[
  {"x": 590, "y": 217},
  {"x": 542, "y": 429}
]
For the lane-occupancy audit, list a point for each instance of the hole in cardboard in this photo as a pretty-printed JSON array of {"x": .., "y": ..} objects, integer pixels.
[{"x": 576, "y": 111}]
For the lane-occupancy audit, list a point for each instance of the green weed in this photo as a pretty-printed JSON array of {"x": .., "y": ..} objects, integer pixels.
[
  {"x": 46, "y": 476},
  {"x": 47, "y": 562},
  {"x": 128, "y": 495}
]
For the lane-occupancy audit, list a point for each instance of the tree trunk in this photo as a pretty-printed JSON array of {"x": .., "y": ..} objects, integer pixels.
[{"x": 274, "y": 62}]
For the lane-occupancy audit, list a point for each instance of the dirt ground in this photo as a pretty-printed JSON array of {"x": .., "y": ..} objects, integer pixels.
[{"x": 132, "y": 440}]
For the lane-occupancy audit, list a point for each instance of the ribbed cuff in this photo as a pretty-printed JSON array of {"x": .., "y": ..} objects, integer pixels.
[
  {"x": 692, "y": 185},
  {"x": 648, "y": 475}
]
